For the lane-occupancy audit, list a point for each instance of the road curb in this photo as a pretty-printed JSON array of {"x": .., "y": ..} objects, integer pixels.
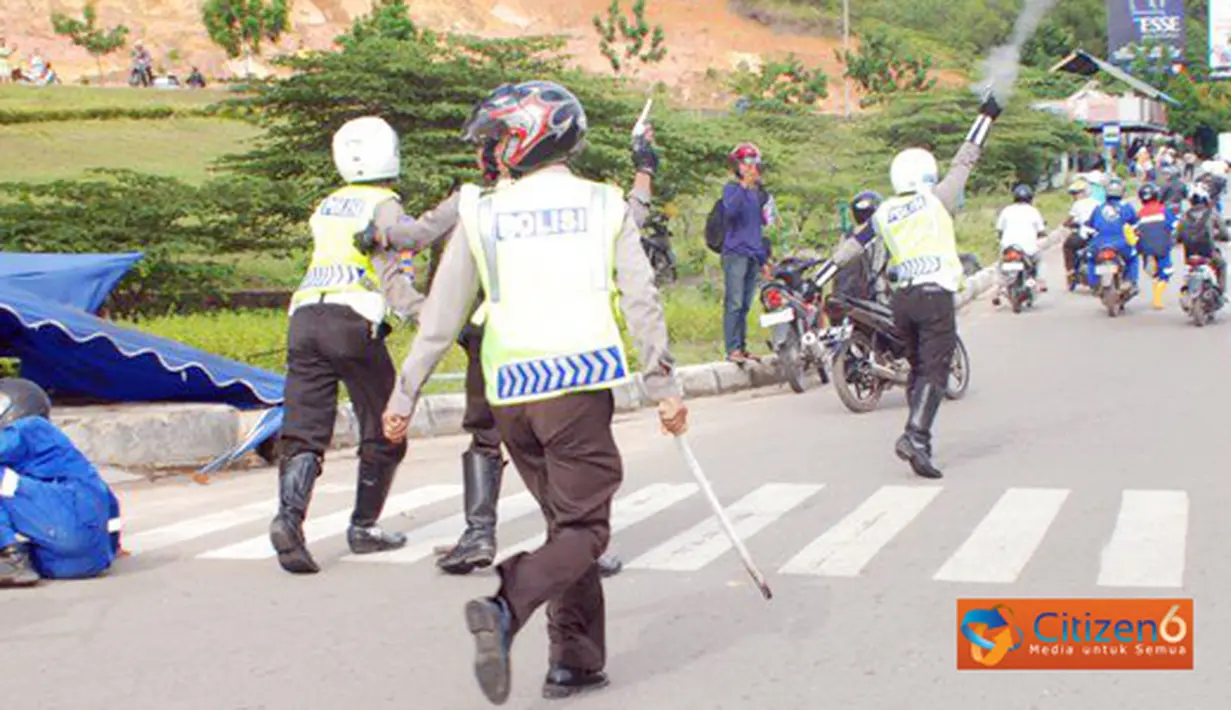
[{"x": 177, "y": 436}]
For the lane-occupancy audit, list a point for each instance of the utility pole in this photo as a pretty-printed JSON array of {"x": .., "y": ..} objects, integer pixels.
[{"x": 846, "y": 46}]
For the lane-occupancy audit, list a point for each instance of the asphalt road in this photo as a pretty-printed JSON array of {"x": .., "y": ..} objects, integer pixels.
[{"x": 1086, "y": 461}]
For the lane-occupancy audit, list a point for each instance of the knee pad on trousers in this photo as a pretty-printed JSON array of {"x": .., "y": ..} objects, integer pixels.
[{"x": 383, "y": 453}]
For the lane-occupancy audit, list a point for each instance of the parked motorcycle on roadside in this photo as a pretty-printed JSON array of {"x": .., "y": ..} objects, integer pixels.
[
  {"x": 1111, "y": 288},
  {"x": 1016, "y": 269},
  {"x": 656, "y": 241},
  {"x": 870, "y": 357},
  {"x": 1200, "y": 296},
  {"x": 793, "y": 315}
]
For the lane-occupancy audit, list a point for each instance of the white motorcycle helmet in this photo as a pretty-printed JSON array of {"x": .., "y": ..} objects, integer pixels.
[
  {"x": 366, "y": 150},
  {"x": 914, "y": 170}
]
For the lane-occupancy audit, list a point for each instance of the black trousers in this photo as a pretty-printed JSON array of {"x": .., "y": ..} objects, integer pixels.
[
  {"x": 478, "y": 420},
  {"x": 925, "y": 318},
  {"x": 328, "y": 344},
  {"x": 1072, "y": 244}
]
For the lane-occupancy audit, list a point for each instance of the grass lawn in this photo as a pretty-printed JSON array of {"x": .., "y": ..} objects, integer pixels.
[
  {"x": 175, "y": 147},
  {"x": 83, "y": 98}
]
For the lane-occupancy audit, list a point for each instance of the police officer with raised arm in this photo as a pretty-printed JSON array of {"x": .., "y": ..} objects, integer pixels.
[
  {"x": 549, "y": 252},
  {"x": 916, "y": 225}
]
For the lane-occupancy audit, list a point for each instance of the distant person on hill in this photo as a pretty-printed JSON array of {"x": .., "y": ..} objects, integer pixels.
[
  {"x": 6, "y": 71},
  {"x": 142, "y": 66},
  {"x": 196, "y": 79}
]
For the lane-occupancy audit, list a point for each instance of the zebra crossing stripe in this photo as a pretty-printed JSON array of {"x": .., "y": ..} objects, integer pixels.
[
  {"x": 1006, "y": 538},
  {"x": 695, "y": 548},
  {"x": 422, "y": 542},
  {"x": 625, "y": 511},
  {"x": 846, "y": 548},
  {"x": 1147, "y": 546},
  {"x": 258, "y": 548},
  {"x": 183, "y": 531}
]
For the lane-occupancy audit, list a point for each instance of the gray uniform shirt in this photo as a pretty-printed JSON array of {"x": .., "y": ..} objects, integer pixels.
[
  {"x": 451, "y": 303},
  {"x": 398, "y": 287},
  {"x": 948, "y": 191}
]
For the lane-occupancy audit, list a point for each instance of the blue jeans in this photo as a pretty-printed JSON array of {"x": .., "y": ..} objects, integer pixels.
[{"x": 740, "y": 281}]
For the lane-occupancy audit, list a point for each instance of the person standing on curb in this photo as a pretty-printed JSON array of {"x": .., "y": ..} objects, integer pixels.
[
  {"x": 482, "y": 463},
  {"x": 744, "y": 253},
  {"x": 338, "y": 324},
  {"x": 916, "y": 225},
  {"x": 544, "y": 251}
]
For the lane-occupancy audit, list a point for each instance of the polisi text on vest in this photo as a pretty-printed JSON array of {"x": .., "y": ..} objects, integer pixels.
[{"x": 541, "y": 223}]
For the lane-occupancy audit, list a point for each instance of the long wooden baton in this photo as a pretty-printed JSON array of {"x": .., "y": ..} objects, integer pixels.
[{"x": 702, "y": 481}]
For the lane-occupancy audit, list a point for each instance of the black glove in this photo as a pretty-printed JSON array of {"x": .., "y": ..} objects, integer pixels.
[
  {"x": 365, "y": 240},
  {"x": 990, "y": 107},
  {"x": 645, "y": 158}
]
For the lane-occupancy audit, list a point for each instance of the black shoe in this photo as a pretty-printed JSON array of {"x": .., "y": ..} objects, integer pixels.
[
  {"x": 16, "y": 570},
  {"x": 564, "y": 682},
  {"x": 915, "y": 444},
  {"x": 609, "y": 565},
  {"x": 489, "y": 621},
  {"x": 477, "y": 546},
  {"x": 365, "y": 541},
  {"x": 295, "y": 483}
]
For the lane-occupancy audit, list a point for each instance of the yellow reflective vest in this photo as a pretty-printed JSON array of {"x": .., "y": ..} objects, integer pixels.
[
  {"x": 921, "y": 241},
  {"x": 339, "y": 272},
  {"x": 545, "y": 251}
]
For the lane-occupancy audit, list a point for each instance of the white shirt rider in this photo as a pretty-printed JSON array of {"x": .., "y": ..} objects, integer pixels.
[{"x": 1021, "y": 226}]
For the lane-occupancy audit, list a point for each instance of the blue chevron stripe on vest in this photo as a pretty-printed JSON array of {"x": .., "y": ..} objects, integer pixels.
[{"x": 538, "y": 377}]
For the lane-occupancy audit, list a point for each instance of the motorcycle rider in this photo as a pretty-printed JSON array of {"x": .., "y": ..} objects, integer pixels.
[
  {"x": 1112, "y": 227},
  {"x": 482, "y": 463},
  {"x": 1199, "y": 230},
  {"x": 1021, "y": 226},
  {"x": 1079, "y": 234},
  {"x": 1173, "y": 189},
  {"x": 338, "y": 324},
  {"x": 916, "y": 225},
  {"x": 550, "y": 252},
  {"x": 1155, "y": 226}
]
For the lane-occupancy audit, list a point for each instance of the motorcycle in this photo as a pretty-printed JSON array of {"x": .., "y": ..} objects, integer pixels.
[
  {"x": 1016, "y": 269},
  {"x": 793, "y": 315},
  {"x": 656, "y": 241},
  {"x": 1200, "y": 296},
  {"x": 871, "y": 357},
  {"x": 1111, "y": 288}
]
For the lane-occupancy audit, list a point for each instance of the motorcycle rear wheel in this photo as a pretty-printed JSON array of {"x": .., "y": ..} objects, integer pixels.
[
  {"x": 791, "y": 363},
  {"x": 959, "y": 373},
  {"x": 858, "y": 389}
]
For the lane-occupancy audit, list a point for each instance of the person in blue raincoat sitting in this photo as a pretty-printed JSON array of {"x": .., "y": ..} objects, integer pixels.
[
  {"x": 58, "y": 518},
  {"x": 1111, "y": 226}
]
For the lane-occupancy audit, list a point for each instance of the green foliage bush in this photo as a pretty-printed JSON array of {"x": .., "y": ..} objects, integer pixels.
[{"x": 106, "y": 113}]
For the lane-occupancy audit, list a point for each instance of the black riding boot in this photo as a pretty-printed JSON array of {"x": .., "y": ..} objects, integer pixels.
[
  {"x": 364, "y": 537},
  {"x": 295, "y": 483},
  {"x": 477, "y": 546},
  {"x": 915, "y": 444},
  {"x": 16, "y": 569}
]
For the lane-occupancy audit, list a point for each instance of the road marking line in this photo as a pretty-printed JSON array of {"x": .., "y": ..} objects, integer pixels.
[
  {"x": 158, "y": 538},
  {"x": 258, "y": 548},
  {"x": 706, "y": 542},
  {"x": 422, "y": 542},
  {"x": 1148, "y": 544},
  {"x": 1006, "y": 538},
  {"x": 626, "y": 511},
  {"x": 847, "y": 547}
]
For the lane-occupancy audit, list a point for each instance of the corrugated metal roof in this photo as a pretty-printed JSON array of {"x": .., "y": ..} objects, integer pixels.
[{"x": 1086, "y": 64}]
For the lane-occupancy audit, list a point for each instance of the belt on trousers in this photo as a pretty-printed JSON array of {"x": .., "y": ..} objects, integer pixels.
[{"x": 367, "y": 308}]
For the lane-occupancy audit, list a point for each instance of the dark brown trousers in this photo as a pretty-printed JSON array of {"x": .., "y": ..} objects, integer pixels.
[
  {"x": 478, "y": 420},
  {"x": 566, "y": 455}
]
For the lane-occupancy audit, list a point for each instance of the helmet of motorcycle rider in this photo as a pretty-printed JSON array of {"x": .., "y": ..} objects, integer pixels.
[
  {"x": 1199, "y": 194},
  {"x": 1078, "y": 186},
  {"x": 1148, "y": 192},
  {"x": 535, "y": 124},
  {"x": 744, "y": 154},
  {"x": 1115, "y": 189},
  {"x": 864, "y": 205},
  {"x": 366, "y": 150},
  {"x": 20, "y": 399},
  {"x": 913, "y": 170},
  {"x": 1023, "y": 194}
]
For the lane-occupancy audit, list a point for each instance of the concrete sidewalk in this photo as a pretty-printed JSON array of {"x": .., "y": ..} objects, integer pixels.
[{"x": 177, "y": 436}]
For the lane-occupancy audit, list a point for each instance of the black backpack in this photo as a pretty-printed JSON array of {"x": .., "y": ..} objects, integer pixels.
[{"x": 716, "y": 227}]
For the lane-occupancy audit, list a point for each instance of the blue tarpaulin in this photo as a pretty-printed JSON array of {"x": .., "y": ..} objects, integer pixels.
[{"x": 47, "y": 303}]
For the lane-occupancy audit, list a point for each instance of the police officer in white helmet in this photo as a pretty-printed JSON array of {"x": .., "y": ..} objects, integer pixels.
[
  {"x": 916, "y": 224},
  {"x": 339, "y": 317},
  {"x": 549, "y": 252}
]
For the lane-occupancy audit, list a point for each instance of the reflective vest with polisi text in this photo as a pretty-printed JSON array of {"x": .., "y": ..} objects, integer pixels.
[
  {"x": 921, "y": 241},
  {"x": 545, "y": 251},
  {"x": 338, "y": 268}
]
